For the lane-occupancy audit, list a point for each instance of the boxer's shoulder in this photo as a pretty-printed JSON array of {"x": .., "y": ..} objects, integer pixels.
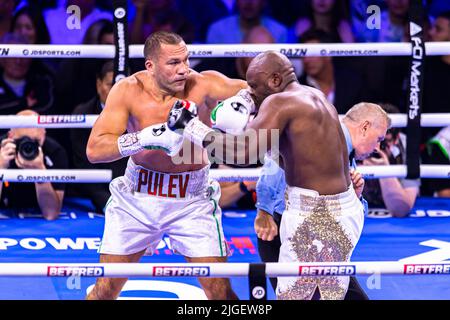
[{"x": 131, "y": 83}]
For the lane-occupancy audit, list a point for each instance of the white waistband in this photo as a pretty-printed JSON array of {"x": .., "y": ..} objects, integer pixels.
[
  {"x": 306, "y": 199},
  {"x": 180, "y": 185}
]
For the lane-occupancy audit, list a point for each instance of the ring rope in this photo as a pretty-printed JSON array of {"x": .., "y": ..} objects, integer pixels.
[
  {"x": 219, "y": 269},
  {"x": 56, "y": 175},
  {"x": 227, "y": 50},
  {"x": 221, "y": 175},
  {"x": 88, "y": 120}
]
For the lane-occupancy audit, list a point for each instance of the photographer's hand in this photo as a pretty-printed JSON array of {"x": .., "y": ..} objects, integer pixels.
[
  {"x": 36, "y": 163},
  {"x": 7, "y": 152},
  {"x": 382, "y": 161}
]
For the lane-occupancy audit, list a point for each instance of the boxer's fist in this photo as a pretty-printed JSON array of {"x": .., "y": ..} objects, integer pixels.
[
  {"x": 160, "y": 137},
  {"x": 232, "y": 114},
  {"x": 183, "y": 117},
  {"x": 155, "y": 137},
  {"x": 182, "y": 112}
]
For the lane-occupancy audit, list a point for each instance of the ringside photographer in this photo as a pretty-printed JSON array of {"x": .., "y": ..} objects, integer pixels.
[{"x": 30, "y": 148}]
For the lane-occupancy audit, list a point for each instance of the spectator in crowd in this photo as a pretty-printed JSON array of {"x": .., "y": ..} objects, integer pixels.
[
  {"x": 438, "y": 149},
  {"x": 25, "y": 83},
  {"x": 163, "y": 15},
  {"x": 393, "y": 24},
  {"x": 436, "y": 7},
  {"x": 397, "y": 195},
  {"x": 436, "y": 93},
  {"x": 97, "y": 193},
  {"x": 332, "y": 76},
  {"x": 82, "y": 71},
  {"x": 195, "y": 10},
  {"x": 330, "y": 16},
  {"x": 287, "y": 13},
  {"x": 100, "y": 32},
  {"x": 70, "y": 28},
  {"x": 30, "y": 148},
  {"x": 29, "y": 22},
  {"x": 232, "y": 29},
  {"x": 237, "y": 67},
  {"x": 6, "y": 15}
]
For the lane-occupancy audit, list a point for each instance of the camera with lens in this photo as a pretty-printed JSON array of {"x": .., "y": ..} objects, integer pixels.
[{"x": 27, "y": 147}]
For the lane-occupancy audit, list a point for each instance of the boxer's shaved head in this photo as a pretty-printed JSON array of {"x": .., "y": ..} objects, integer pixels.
[
  {"x": 272, "y": 62},
  {"x": 269, "y": 72}
]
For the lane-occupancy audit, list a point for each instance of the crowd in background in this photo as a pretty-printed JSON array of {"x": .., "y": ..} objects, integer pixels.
[{"x": 80, "y": 85}]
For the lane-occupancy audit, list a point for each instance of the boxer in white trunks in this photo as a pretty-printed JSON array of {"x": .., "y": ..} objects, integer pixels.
[
  {"x": 156, "y": 195},
  {"x": 323, "y": 219}
]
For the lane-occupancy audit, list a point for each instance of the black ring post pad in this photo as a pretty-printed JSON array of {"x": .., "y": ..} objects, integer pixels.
[{"x": 257, "y": 281}]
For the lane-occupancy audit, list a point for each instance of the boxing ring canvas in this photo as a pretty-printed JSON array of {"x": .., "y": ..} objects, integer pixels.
[{"x": 25, "y": 237}]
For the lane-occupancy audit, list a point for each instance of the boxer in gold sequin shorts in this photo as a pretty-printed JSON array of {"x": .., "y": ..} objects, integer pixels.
[{"x": 318, "y": 228}]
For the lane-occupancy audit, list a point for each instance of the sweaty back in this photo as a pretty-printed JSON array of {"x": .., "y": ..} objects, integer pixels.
[{"x": 313, "y": 144}]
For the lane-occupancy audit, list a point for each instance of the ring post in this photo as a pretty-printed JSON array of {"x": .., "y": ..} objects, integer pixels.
[{"x": 257, "y": 281}]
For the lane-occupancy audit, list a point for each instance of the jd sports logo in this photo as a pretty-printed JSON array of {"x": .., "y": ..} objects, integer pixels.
[{"x": 159, "y": 131}]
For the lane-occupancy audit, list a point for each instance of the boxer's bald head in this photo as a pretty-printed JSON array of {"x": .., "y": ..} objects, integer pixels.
[{"x": 268, "y": 73}]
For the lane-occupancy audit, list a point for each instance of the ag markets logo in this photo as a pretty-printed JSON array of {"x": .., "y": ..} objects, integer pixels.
[
  {"x": 80, "y": 271},
  {"x": 179, "y": 271},
  {"x": 327, "y": 270}
]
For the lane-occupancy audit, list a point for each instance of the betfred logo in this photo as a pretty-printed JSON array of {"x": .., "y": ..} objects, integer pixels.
[
  {"x": 74, "y": 118},
  {"x": 180, "y": 271},
  {"x": 426, "y": 268},
  {"x": 65, "y": 271},
  {"x": 327, "y": 271}
]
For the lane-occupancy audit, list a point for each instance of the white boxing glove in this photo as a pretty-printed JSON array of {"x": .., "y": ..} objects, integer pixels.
[
  {"x": 232, "y": 114},
  {"x": 155, "y": 137}
]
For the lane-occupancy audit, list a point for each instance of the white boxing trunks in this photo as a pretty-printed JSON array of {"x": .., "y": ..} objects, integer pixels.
[
  {"x": 146, "y": 204},
  {"x": 318, "y": 228}
]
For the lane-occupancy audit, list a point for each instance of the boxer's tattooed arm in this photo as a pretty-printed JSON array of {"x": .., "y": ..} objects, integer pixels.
[{"x": 129, "y": 144}]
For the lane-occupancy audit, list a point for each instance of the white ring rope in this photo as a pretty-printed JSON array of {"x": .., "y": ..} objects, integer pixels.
[
  {"x": 368, "y": 172},
  {"x": 221, "y": 175},
  {"x": 88, "y": 120},
  {"x": 218, "y": 269},
  {"x": 227, "y": 50},
  {"x": 56, "y": 175},
  {"x": 48, "y": 121}
]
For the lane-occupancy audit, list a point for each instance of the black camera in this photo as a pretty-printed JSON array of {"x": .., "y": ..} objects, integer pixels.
[
  {"x": 383, "y": 145},
  {"x": 27, "y": 147}
]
